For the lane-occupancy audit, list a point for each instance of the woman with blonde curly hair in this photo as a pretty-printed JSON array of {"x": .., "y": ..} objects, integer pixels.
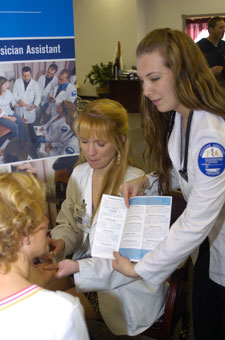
[
  {"x": 23, "y": 237},
  {"x": 184, "y": 108},
  {"x": 104, "y": 164}
]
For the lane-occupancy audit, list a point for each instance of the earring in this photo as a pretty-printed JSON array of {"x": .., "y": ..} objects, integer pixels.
[
  {"x": 27, "y": 242},
  {"x": 118, "y": 158}
]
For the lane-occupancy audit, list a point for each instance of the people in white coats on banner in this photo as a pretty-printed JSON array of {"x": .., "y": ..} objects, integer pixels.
[
  {"x": 26, "y": 92},
  {"x": 57, "y": 137},
  {"x": 104, "y": 164},
  {"x": 64, "y": 90},
  {"x": 23, "y": 237},
  {"x": 8, "y": 118},
  {"x": 46, "y": 83},
  {"x": 184, "y": 110}
]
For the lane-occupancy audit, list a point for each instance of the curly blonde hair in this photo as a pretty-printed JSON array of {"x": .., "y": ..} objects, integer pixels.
[{"x": 22, "y": 207}]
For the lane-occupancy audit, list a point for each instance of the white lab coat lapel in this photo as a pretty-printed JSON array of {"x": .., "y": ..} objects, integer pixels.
[
  {"x": 175, "y": 140},
  {"x": 87, "y": 196}
]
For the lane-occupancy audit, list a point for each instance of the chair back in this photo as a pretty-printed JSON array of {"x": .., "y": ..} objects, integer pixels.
[{"x": 176, "y": 301}]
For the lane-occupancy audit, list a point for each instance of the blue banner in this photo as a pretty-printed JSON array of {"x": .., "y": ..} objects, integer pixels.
[
  {"x": 42, "y": 18},
  {"x": 37, "y": 80},
  {"x": 36, "y": 49}
]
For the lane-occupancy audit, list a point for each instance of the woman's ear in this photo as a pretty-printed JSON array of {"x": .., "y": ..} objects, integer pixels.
[
  {"x": 25, "y": 240},
  {"x": 124, "y": 138}
]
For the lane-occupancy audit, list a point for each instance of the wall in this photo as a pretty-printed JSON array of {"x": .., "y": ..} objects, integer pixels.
[
  {"x": 168, "y": 13},
  {"x": 99, "y": 24}
]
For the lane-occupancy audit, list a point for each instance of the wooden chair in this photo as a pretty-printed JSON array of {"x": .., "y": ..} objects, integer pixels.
[
  {"x": 175, "y": 307},
  {"x": 176, "y": 302}
]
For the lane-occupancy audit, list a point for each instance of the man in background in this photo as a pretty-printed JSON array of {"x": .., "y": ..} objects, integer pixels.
[
  {"x": 26, "y": 92},
  {"x": 63, "y": 91},
  {"x": 213, "y": 48},
  {"x": 46, "y": 83}
]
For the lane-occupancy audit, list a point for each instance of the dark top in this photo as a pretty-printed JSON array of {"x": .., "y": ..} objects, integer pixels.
[{"x": 215, "y": 56}]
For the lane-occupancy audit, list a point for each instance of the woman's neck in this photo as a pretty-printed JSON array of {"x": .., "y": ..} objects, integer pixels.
[
  {"x": 97, "y": 181},
  {"x": 100, "y": 173},
  {"x": 184, "y": 112},
  {"x": 16, "y": 279}
]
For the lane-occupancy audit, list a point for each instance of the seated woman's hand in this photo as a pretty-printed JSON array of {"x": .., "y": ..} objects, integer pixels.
[
  {"x": 133, "y": 188},
  {"x": 56, "y": 246},
  {"x": 124, "y": 265},
  {"x": 63, "y": 268}
]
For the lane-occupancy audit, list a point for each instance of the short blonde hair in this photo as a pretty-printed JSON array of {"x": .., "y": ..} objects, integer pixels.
[{"x": 22, "y": 207}]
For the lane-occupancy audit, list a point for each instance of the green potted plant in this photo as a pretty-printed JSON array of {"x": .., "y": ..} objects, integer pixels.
[{"x": 100, "y": 75}]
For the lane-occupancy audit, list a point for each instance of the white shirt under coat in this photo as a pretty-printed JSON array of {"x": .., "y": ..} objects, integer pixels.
[
  {"x": 46, "y": 90},
  {"x": 30, "y": 96},
  {"x": 68, "y": 93},
  {"x": 6, "y": 103},
  {"x": 205, "y": 211},
  {"x": 128, "y": 306}
]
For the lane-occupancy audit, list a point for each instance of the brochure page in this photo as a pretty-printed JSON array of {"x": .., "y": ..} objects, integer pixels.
[{"x": 134, "y": 231}]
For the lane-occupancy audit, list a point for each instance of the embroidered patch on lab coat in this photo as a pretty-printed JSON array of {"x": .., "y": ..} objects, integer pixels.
[
  {"x": 64, "y": 128},
  {"x": 69, "y": 150},
  {"x": 211, "y": 159}
]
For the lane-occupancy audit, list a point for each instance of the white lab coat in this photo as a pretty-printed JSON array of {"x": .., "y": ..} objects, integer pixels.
[
  {"x": 128, "y": 306},
  {"x": 46, "y": 90},
  {"x": 205, "y": 196},
  {"x": 30, "y": 96},
  {"x": 56, "y": 130},
  {"x": 69, "y": 93},
  {"x": 62, "y": 139},
  {"x": 6, "y": 102},
  {"x": 67, "y": 145}
]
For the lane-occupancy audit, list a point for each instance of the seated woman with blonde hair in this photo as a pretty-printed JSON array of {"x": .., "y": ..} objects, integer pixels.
[
  {"x": 27, "y": 310},
  {"x": 128, "y": 306}
]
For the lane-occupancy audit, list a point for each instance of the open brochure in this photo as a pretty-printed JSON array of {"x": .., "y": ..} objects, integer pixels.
[{"x": 134, "y": 231}]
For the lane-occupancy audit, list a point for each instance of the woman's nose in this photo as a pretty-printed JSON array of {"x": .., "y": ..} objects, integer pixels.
[
  {"x": 147, "y": 89},
  {"x": 91, "y": 149}
]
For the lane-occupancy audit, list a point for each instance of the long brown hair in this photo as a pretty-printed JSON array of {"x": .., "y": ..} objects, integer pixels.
[{"x": 195, "y": 86}]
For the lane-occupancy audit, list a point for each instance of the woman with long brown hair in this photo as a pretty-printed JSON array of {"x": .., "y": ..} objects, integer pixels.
[{"x": 184, "y": 110}]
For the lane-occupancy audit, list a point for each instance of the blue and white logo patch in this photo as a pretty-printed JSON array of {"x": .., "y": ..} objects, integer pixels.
[
  {"x": 64, "y": 128},
  {"x": 73, "y": 93},
  {"x": 70, "y": 150},
  {"x": 211, "y": 159}
]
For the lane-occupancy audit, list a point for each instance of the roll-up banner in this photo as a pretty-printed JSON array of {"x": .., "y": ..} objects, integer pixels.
[{"x": 37, "y": 86}]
